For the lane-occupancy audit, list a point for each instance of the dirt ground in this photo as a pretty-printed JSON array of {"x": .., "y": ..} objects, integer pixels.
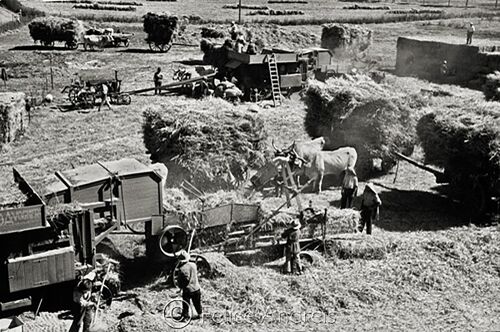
[{"x": 438, "y": 271}]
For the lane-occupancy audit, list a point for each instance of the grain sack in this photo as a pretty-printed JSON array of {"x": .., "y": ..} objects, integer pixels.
[
  {"x": 345, "y": 39},
  {"x": 50, "y": 29},
  {"x": 12, "y": 116},
  {"x": 159, "y": 27},
  {"x": 464, "y": 140},
  {"x": 210, "y": 145},
  {"x": 357, "y": 112}
]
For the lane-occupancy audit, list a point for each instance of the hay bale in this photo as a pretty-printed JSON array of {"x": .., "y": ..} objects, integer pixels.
[
  {"x": 345, "y": 39},
  {"x": 207, "y": 32},
  {"x": 50, "y": 29},
  {"x": 464, "y": 140},
  {"x": 159, "y": 27},
  {"x": 12, "y": 116},
  {"x": 491, "y": 86},
  {"x": 357, "y": 246},
  {"x": 355, "y": 111},
  {"x": 212, "y": 148}
]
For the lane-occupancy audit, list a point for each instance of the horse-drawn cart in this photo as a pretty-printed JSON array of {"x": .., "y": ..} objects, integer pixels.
[{"x": 86, "y": 89}]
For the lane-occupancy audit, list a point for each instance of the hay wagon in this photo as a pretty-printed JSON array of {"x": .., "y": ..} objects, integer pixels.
[
  {"x": 161, "y": 31},
  {"x": 49, "y": 30},
  {"x": 87, "y": 88}
]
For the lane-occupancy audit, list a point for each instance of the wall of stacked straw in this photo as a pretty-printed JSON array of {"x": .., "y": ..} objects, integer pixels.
[
  {"x": 355, "y": 111},
  {"x": 159, "y": 27},
  {"x": 345, "y": 38},
  {"x": 13, "y": 118},
  {"x": 211, "y": 147},
  {"x": 49, "y": 29}
]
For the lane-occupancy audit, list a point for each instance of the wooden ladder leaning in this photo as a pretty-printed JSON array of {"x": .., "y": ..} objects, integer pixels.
[{"x": 275, "y": 79}]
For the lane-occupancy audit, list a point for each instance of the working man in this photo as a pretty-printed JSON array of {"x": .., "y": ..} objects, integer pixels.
[
  {"x": 292, "y": 248},
  {"x": 104, "y": 97},
  {"x": 83, "y": 306},
  {"x": 157, "y": 79},
  {"x": 233, "y": 30},
  {"x": 470, "y": 31},
  {"x": 239, "y": 44},
  {"x": 369, "y": 208},
  {"x": 349, "y": 188},
  {"x": 187, "y": 280}
]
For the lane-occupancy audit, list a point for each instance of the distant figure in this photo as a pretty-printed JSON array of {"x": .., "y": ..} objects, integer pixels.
[
  {"x": 292, "y": 248},
  {"x": 369, "y": 208},
  {"x": 187, "y": 280},
  {"x": 233, "y": 30},
  {"x": 4, "y": 76},
  {"x": 444, "y": 68},
  {"x": 349, "y": 188},
  {"x": 470, "y": 31},
  {"x": 240, "y": 44},
  {"x": 104, "y": 97},
  {"x": 251, "y": 49},
  {"x": 83, "y": 306},
  {"x": 158, "y": 78}
]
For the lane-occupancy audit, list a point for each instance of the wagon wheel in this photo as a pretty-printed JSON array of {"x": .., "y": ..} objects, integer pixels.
[
  {"x": 154, "y": 47},
  {"x": 73, "y": 96},
  {"x": 48, "y": 43},
  {"x": 164, "y": 48},
  {"x": 71, "y": 45}
]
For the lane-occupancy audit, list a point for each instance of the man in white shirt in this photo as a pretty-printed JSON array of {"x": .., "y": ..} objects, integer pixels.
[
  {"x": 104, "y": 97},
  {"x": 470, "y": 31}
]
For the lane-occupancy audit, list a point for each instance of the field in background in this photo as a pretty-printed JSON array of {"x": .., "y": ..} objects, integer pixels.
[{"x": 316, "y": 11}]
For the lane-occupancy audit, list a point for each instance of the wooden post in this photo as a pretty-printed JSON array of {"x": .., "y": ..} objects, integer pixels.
[
  {"x": 239, "y": 13},
  {"x": 51, "y": 74}
]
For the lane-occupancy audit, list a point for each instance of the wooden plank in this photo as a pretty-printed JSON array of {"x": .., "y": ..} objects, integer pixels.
[
  {"x": 21, "y": 219},
  {"x": 52, "y": 272}
]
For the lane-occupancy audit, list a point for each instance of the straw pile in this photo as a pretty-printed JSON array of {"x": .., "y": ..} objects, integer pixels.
[
  {"x": 345, "y": 38},
  {"x": 272, "y": 12},
  {"x": 49, "y": 29},
  {"x": 96, "y": 6},
  {"x": 159, "y": 27},
  {"x": 12, "y": 116},
  {"x": 207, "y": 32},
  {"x": 355, "y": 111},
  {"x": 491, "y": 87},
  {"x": 357, "y": 246},
  {"x": 463, "y": 140},
  {"x": 212, "y": 148}
]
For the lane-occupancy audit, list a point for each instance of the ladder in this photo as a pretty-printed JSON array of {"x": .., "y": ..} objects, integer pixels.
[{"x": 275, "y": 79}]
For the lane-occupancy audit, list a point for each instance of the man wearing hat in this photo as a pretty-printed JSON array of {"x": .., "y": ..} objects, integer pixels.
[
  {"x": 187, "y": 280},
  {"x": 83, "y": 306},
  {"x": 349, "y": 188},
  {"x": 369, "y": 208},
  {"x": 470, "y": 31},
  {"x": 292, "y": 248}
]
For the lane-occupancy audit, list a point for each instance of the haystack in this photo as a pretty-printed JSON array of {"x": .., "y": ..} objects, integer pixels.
[
  {"x": 159, "y": 27},
  {"x": 355, "y": 111},
  {"x": 50, "y": 29},
  {"x": 491, "y": 87},
  {"x": 12, "y": 116},
  {"x": 212, "y": 147},
  {"x": 345, "y": 38},
  {"x": 464, "y": 140}
]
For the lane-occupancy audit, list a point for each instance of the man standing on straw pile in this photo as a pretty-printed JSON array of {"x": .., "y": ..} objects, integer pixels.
[
  {"x": 369, "y": 208},
  {"x": 292, "y": 248},
  {"x": 158, "y": 78},
  {"x": 349, "y": 188},
  {"x": 83, "y": 307},
  {"x": 470, "y": 31},
  {"x": 187, "y": 280},
  {"x": 104, "y": 97}
]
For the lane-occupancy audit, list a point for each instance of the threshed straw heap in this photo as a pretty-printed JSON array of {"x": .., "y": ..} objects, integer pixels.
[
  {"x": 345, "y": 38},
  {"x": 463, "y": 140},
  {"x": 211, "y": 147},
  {"x": 159, "y": 27},
  {"x": 355, "y": 111},
  {"x": 12, "y": 115},
  {"x": 50, "y": 29}
]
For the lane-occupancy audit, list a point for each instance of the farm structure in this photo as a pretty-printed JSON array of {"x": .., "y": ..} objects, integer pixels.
[{"x": 275, "y": 72}]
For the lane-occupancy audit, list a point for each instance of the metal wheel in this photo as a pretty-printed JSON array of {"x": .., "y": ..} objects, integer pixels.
[
  {"x": 73, "y": 96},
  {"x": 154, "y": 47},
  {"x": 71, "y": 45},
  {"x": 48, "y": 43}
]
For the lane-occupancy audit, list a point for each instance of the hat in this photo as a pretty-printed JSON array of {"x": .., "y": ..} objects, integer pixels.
[
  {"x": 296, "y": 224},
  {"x": 370, "y": 187},
  {"x": 89, "y": 276},
  {"x": 184, "y": 256}
]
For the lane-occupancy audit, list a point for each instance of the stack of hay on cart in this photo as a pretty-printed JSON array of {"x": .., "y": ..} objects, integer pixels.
[
  {"x": 211, "y": 146},
  {"x": 50, "y": 29},
  {"x": 160, "y": 28},
  {"x": 355, "y": 111},
  {"x": 342, "y": 38}
]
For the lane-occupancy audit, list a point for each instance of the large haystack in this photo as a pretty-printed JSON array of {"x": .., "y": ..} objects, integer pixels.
[
  {"x": 344, "y": 39},
  {"x": 159, "y": 27},
  {"x": 12, "y": 115},
  {"x": 355, "y": 111},
  {"x": 50, "y": 29},
  {"x": 463, "y": 140},
  {"x": 212, "y": 147}
]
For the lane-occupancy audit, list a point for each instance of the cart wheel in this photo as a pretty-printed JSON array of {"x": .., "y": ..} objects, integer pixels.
[
  {"x": 73, "y": 96},
  {"x": 48, "y": 43},
  {"x": 164, "y": 48},
  {"x": 154, "y": 47},
  {"x": 71, "y": 45}
]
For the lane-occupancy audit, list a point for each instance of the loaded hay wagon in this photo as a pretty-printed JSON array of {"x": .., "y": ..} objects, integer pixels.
[
  {"x": 87, "y": 88},
  {"x": 48, "y": 30},
  {"x": 161, "y": 30}
]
